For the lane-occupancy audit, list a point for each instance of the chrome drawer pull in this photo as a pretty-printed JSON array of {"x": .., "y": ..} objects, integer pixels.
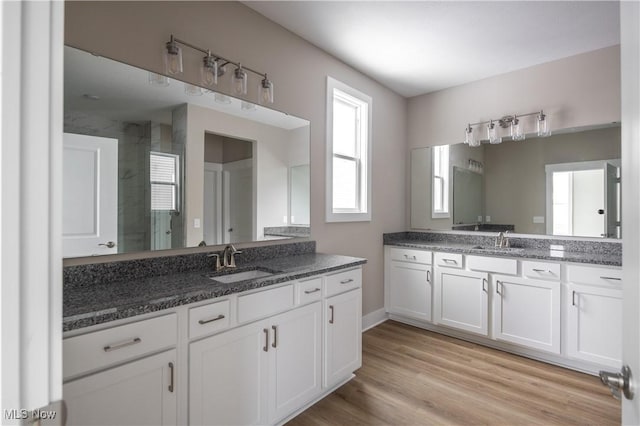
[
  {"x": 428, "y": 276},
  {"x": 498, "y": 284},
  {"x": 171, "y": 383},
  {"x": 275, "y": 336},
  {"x": 331, "y": 309},
  {"x": 546, "y": 271},
  {"x": 219, "y": 317},
  {"x": 110, "y": 348},
  {"x": 573, "y": 298},
  {"x": 611, "y": 278},
  {"x": 266, "y": 340},
  {"x": 315, "y": 290},
  {"x": 484, "y": 281},
  {"x": 350, "y": 280},
  {"x": 455, "y": 262}
]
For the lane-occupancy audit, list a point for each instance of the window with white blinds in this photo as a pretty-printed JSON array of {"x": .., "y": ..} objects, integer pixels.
[{"x": 164, "y": 181}]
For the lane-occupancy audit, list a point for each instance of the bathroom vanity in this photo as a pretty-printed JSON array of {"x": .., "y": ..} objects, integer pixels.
[
  {"x": 558, "y": 306},
  {"x": 196, "y": 347}
]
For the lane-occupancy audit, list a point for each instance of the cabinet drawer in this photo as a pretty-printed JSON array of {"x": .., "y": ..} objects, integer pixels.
[
  {"x": 594, "y": 275},
  {"x": 208, "y": 318},
  {"x": 498, "y": 265},
  {"x": 408, "y": 255},
  {"x": 343, "y": 281},
  {"x": 309, "y": 290},
  {"x": 264, "y": 303},
  {"x": 449, "y": 260},
  {"x": 93, "y": 351},
  {"x": 541, "y": 270}
]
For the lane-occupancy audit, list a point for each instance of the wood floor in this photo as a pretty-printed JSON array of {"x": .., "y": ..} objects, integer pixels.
[{"x": 411, "y": 376}]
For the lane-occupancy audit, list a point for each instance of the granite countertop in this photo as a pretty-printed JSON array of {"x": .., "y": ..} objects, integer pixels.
[
  {"x": 102, "y": 302},
  {"x": 514, "y": 252}
]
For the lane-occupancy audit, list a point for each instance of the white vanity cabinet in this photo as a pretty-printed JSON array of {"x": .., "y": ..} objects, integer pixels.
[
  {"x": 594, "y": 315},
  {"x": 409, "y": 276}
]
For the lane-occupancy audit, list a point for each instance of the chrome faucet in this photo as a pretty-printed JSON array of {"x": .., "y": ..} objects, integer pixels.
[
  {"x": 217, "y": 265},
  {"x": 502, "y": 240},
  {"x": 228, "y": 254}
]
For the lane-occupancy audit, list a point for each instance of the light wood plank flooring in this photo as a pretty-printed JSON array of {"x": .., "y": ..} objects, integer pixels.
[{"x": 415, "y": 377}]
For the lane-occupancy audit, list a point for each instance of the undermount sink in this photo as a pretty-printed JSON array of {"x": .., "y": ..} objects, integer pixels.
[
  {"x": 240, "y": 276},
  {"x": 498, "y": 249}
]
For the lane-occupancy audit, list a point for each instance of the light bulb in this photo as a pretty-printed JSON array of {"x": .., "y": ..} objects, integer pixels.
[
  {"x": 543, "y": 125},
  {"x": 173, "y": 58},
  {"x": 240, "y": 81},
  {"x": 209, "y": 71},
  {"x": 517, "y": 132},
  {"x": 492, "y": 134},
  {"x": 265, "y": 90}
]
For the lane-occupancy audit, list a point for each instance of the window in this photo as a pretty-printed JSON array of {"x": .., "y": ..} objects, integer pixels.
[
  {"x": 440, "y": 185},
  {"x": 164, "y": 181},
  {"x": 348, "y": 153}
]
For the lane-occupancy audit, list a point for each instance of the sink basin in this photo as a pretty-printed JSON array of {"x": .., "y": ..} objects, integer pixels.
[
  {"x": 498, "y": 249},
  {"x": 240, "y": 276}
]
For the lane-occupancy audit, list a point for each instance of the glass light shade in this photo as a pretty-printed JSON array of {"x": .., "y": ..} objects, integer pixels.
[
  {"x": 247, "y": 106},
  {"x": 517, "y": 130},
  {"x": 240, "y": 81},
  {"x": 222, "y": 99},
  {"x": 469, "y": 137},
  {"x": 492, "y": 134},
  {"x": 173, "y": 58},
  {"x": 209, "y": 71},
  {"x": 158, "y": 80},
  {"x": 192, "y": 90},
  {"x": 543, "y": 126},
  {"x": 265, "y": 90}
]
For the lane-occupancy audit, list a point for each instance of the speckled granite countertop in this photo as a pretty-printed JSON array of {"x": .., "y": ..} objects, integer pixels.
[
  {"x": 86, "y": 305},
  {"x": 593, "y": 252}
]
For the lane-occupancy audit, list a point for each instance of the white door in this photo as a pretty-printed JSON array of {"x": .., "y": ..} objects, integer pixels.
[
  {"x": 410, "y": 290},
  {"x": 527, "y": 312},
  {"x": 295, "y": 371},
  {"x": 343, "y": 336},
  {"x": 238, "y": 201},
  {"x": 461, "y": 300},
  {"x": 212, "y": 216},
  {"x": 137, "y": 393},
  {"x": 89, "y": 195},
  {"x": 228, "y": 376}
]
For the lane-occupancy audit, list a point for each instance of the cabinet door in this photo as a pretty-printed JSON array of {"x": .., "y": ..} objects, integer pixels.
[
  {"x": 140, "y": 392},
  {"x": 595, "y": 324},
  {"x": 527, "y": 312},
  {"x": 343, "y": 336},
  {"x": 410, "y": 290},
  {"x": 461, "y": 300},
  {"x": 228, "y": 377},
  {"x": 295, "y": 370}
]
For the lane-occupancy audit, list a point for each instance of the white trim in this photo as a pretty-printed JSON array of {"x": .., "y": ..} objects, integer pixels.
[
  {"x": 330, "y": 215},
  {"x": 373, "y": 319},
  {"x": 446, "y": 186}
]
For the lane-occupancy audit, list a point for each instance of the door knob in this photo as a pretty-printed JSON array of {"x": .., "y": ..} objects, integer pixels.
[
  {"x": 618, "y": 382},
  {"x": 109, "y": 244}
]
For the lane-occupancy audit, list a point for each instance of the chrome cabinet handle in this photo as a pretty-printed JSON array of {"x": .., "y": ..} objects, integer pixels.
[
  {"x": 546, "y": 271},
  {"x": 266, "y": 340},
  {"x": 484, "y": 285},
  {"x": 498, "y": 284},
  {"x": 611, "y": 278},
  {"x": 406, "y": 256},
  {"x": 428, "y": 276},
  {"x": 350, "y": 280},
  {"x": 108, "y": 244},
  {"x": 573, "y": 298},
  {"x": 219, "y": 317},
  {"x": 116, "y": 346},
  {"x": 315, "y": 290},
  {"x": 171, "y": 383},
  {"x": 455, "y": 262},
  {"x": 275, "y": 336},
  {"x": 331, "y": 319}
]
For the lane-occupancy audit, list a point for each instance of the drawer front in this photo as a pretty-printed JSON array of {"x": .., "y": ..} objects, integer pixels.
[
  {"x": 309, "y": 290},
  {"x": 100, "y": 349},
  {"x": 409, "y": 255},
  {"x": 594, "y": 275},
  {"x": 498, "y": 265},
  {"x": 264, "y": 303},
  {"x": 448, "y": 260},
  {"x": 209, "y": 318},
  {"x": 343, "y": 281},
  {"x": 541, "y": 270}
]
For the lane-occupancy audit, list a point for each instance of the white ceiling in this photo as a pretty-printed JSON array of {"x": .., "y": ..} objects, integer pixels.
[{"x": 418, "y": 47}]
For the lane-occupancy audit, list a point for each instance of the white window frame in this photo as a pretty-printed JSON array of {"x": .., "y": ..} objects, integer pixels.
[
  {"x": 363, "y": 212},
  {"x": 175, "y": 185},
  {"x": 442, "y": 180}
]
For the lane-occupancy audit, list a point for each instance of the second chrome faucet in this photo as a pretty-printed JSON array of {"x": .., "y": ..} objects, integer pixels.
[{"x": 228, "y": 258}]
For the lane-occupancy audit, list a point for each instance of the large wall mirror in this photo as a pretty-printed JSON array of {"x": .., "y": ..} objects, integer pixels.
[
  {"x": 567, "y": 184},
  {"x": 154, "y": 163}
]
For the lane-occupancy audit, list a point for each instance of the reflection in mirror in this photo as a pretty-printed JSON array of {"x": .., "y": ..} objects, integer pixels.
[
  {"x": 467, "y": 196},
  {"x": 148, "y": 167},
  {"x": 299, "y": 180},
  {"x": 516, "y": 194}
]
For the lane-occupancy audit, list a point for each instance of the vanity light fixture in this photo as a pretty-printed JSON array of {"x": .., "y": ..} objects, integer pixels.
[
  {"x": 247, "y": 106},
  {"x": 192, "y": 90},
  {"x": 512, "y": 122},
  {"x": 221, "y": 99},
  {"x": 213, "y": 66},
  {"x": 158, "y": 80}
]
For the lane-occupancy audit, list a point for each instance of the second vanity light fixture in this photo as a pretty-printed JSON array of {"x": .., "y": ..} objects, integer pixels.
[
  {"x": 214, "y": 66},
  {"x": 516, "y": 129}
]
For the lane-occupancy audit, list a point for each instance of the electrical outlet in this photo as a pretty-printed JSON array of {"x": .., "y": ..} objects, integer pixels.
[
  {"x": 196, "y": 222},
  {"x": 538, "y": 219},
  {"x": 479, "y": 218},
  {"x": 488, "y": 219},
  {"x": 284, "y": 219}
]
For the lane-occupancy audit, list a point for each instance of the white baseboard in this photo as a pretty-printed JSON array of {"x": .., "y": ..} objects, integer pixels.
[{"x": 374, "y": 318}]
